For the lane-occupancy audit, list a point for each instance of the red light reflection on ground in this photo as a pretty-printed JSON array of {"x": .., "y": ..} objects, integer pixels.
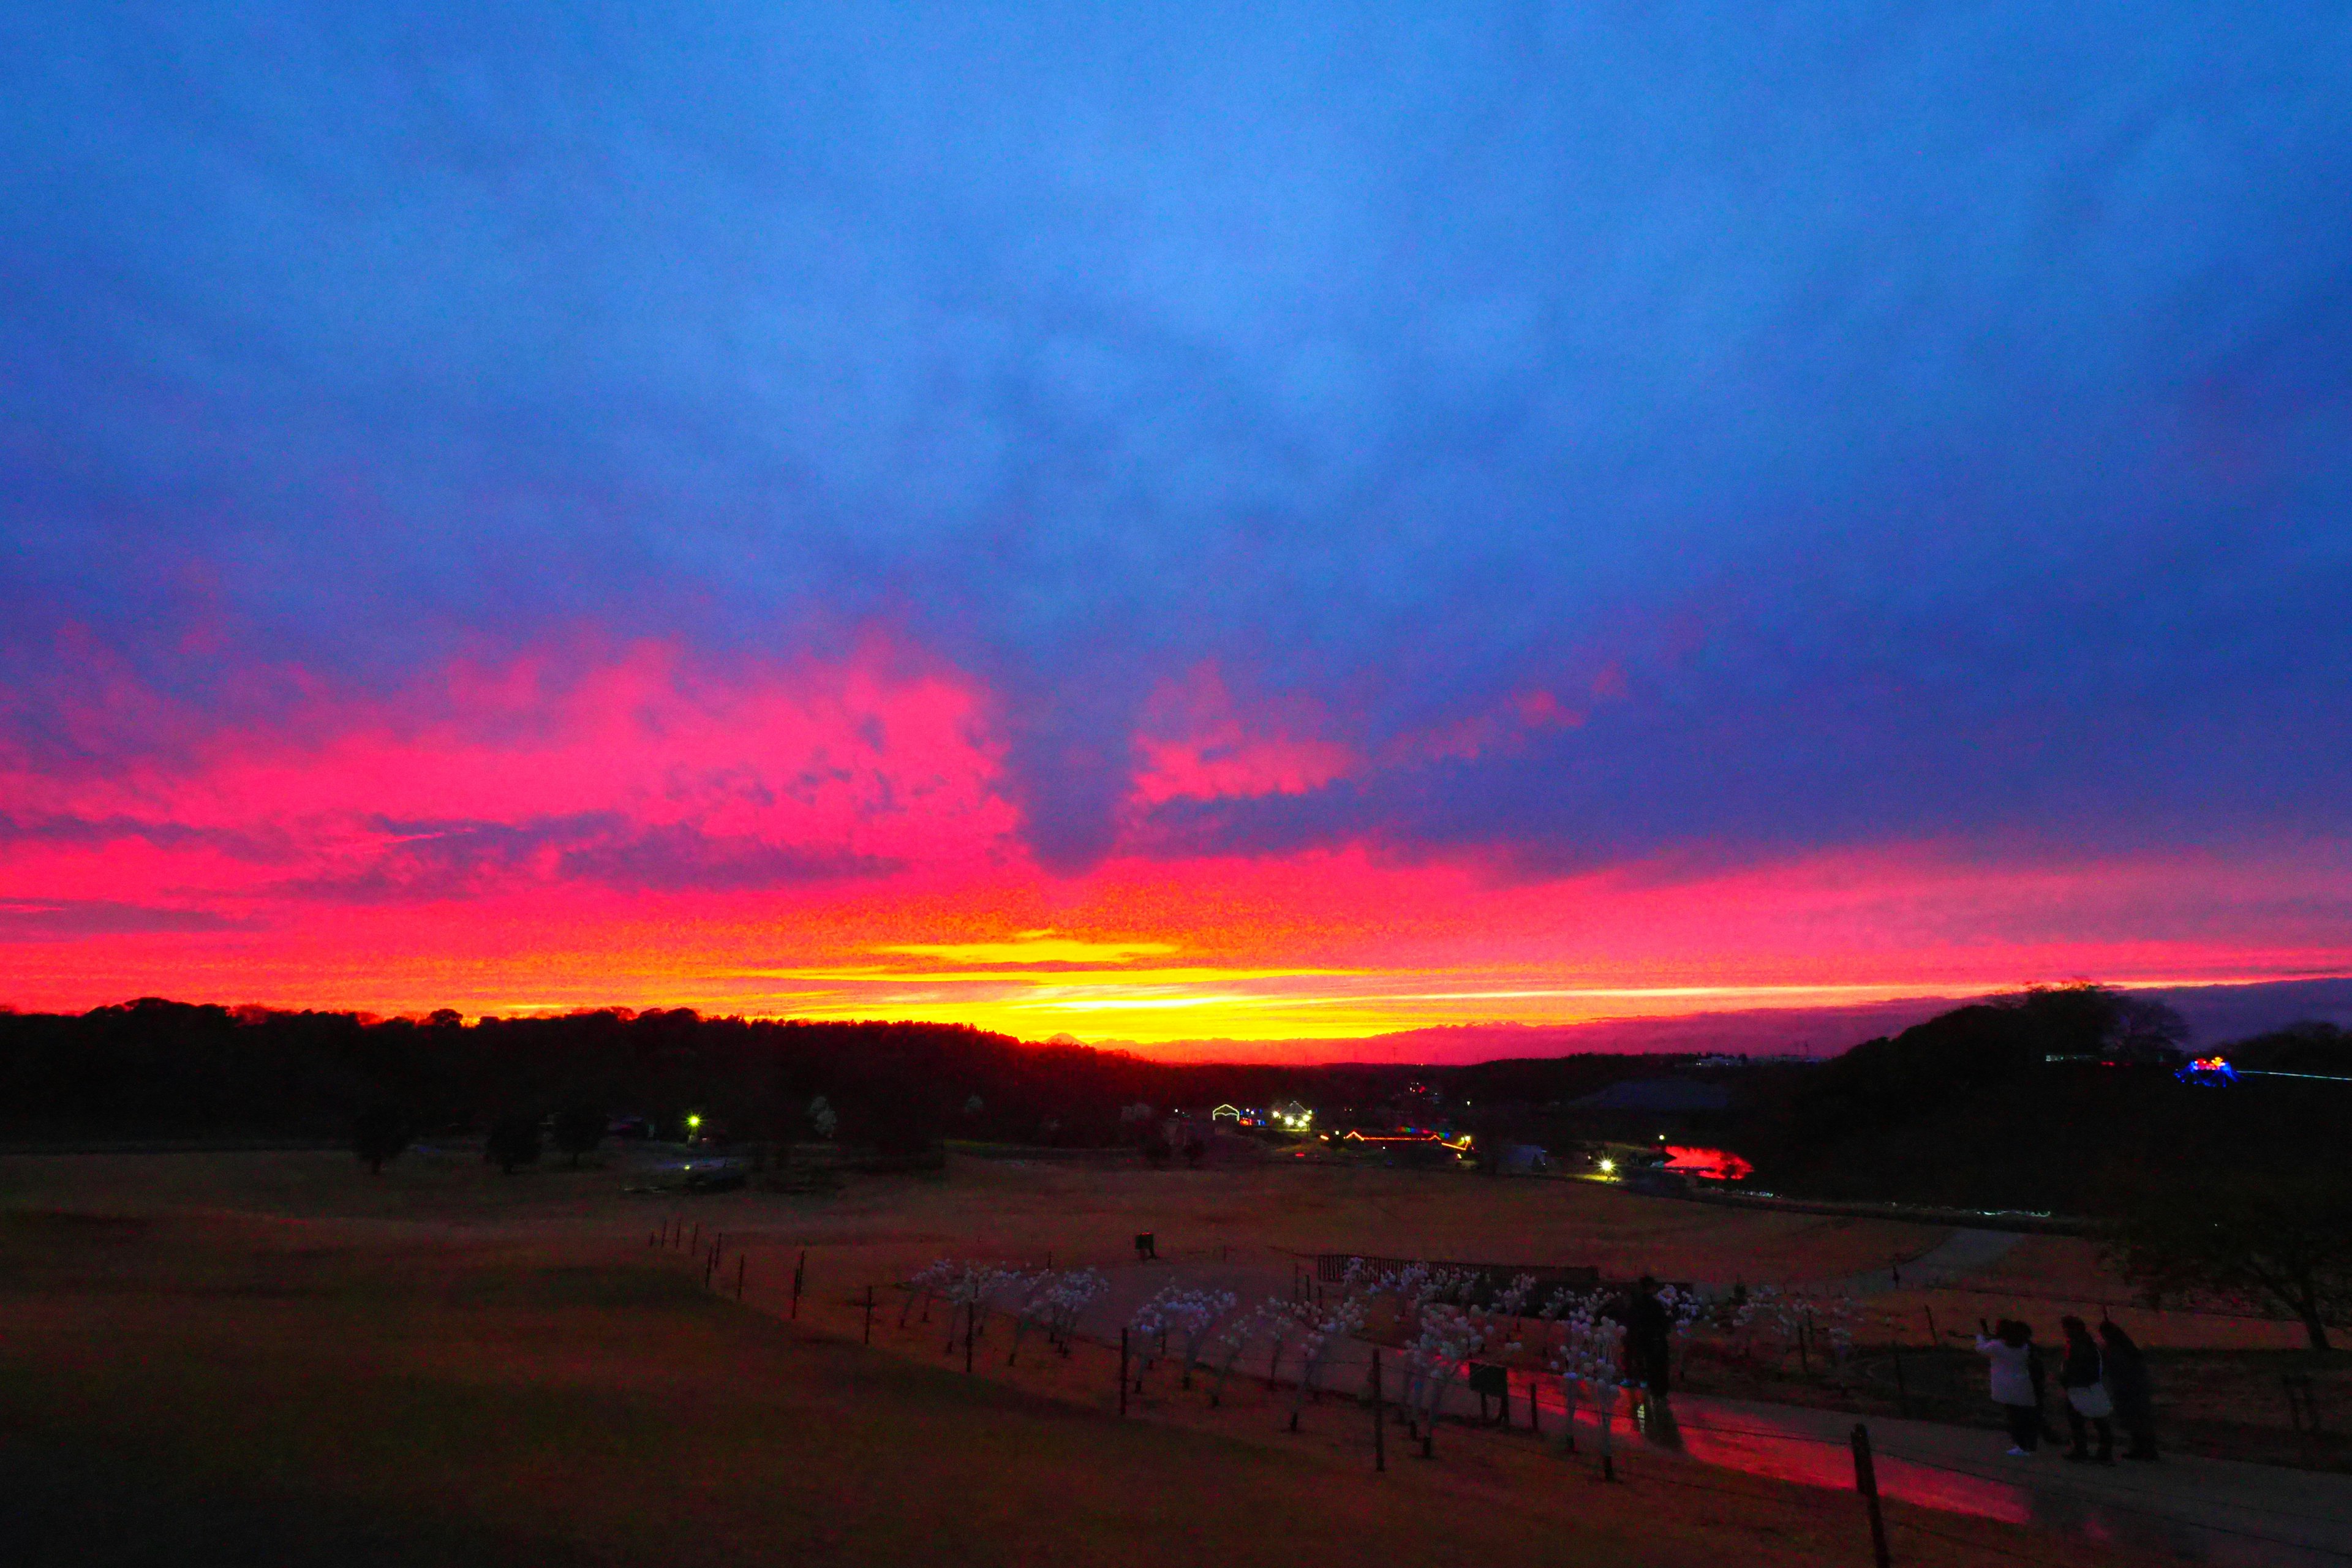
[{"x": 1804, "y": 1458}]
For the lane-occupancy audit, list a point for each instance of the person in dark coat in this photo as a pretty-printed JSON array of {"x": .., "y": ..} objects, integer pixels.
[
  {"x": 2129, "y": 1387},
  {"x": 2037, "y": 1367},
  {"x": 1649, "y": 1357},
  {"x": 2082, "y": 1377}
]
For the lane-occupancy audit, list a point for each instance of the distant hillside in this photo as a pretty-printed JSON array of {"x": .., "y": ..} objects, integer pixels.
[
  {"x": 2045, "y": 1100},
  {"x": 2215, "y": 1014}
]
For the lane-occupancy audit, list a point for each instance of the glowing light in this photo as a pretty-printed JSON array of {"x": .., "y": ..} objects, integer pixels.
[
  {"x": 1608, "y": 1167},
  {"x": 1719, "y": 1164}
]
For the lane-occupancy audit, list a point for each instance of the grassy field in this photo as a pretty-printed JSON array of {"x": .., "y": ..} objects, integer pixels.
[
  {"x": 1013, "y": 1210},
  {"x": 230, "y": 1389},
  {"x": 273, "y": 1357}
]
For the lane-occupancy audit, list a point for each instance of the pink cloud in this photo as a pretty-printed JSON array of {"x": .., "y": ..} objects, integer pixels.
[{"x": 1196, "y": 743}]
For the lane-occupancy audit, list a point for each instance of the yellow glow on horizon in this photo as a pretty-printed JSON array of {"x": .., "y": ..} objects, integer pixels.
[
  {"x": 1041, "y": 979},
  {"x": 1030, "y": 947}
]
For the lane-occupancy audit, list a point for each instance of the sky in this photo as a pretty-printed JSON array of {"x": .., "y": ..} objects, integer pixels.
[{"x": 1154, "y": 522}]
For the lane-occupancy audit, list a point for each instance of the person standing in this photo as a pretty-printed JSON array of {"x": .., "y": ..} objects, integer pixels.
[
  {"x": 2129, "y": 1387},
  {"x": 1649, "y": 1356},
  {"x": 2083, "y": 1378},
  {"x": 2009, "y": 1349},
  {"x": 2037, "y": 1367}
]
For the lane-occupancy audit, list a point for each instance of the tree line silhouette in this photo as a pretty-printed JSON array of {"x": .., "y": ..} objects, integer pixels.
[{"x": 158, "y": 1068}]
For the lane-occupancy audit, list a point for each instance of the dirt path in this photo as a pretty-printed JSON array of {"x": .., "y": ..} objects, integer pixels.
[
  {"x": 2210, "y": 1510},
  {"x": 1957, "y": 1255}
]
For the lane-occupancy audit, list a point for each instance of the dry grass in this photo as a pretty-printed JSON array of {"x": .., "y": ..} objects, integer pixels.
[
  {"x": 303, "y": 1392},
  {"x": 1012, "y": 1209}
]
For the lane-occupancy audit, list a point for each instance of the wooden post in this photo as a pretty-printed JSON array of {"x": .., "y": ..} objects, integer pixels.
[
  {"x": 1380, "y": 1420},
  {"x": 709, "y": 1264},
  {"x": 697, "y": 1233},
  {"x": 1122, "y": 1372},
  {"x": 1931, "y": 1324},
  {"x": 970, "y": 1325},
  {"x": 869, "y": 1316},
  {"x": 740, "y": 1260},
  {"x": 800, "y": 1273},
  {"x": 1865, "y": 1481}
]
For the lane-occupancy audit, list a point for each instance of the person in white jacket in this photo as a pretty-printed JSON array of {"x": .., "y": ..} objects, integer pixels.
[{"x": 2009, "y": 1349}]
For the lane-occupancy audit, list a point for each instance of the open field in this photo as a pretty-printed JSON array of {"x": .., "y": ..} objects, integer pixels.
[
  {"x": 276, "y": 1354},
  {"x": 272, "y": 1398},
  {"x": 1012, "y": 1209}
]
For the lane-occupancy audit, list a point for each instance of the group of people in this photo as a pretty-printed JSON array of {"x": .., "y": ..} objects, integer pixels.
[{"x": 2103, "y": 1381}]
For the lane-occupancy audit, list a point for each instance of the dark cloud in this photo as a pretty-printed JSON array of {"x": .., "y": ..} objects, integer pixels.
[
  {"x": 1971, "y": 378},
  {"x": 34, "y": 920},
  {"x": 428, "y": 860},
  {"x": 262, "y": 844}
]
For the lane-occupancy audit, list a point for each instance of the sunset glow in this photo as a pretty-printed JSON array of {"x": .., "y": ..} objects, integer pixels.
[
  {"x": 1154, "y": 530},
  {"x": 837, "y": 841}
]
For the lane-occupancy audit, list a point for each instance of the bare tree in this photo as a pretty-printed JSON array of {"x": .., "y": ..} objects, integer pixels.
[{"x": 2279, "y": 1241}]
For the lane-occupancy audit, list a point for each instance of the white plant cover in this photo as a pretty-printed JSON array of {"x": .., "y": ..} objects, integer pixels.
[
  {"x": 1183, "y": 1316},
  {"x": 1785, "y": 1313},
  {"x": 1448, "y": 1338},
  {"x": 1324, "y": 1328}
]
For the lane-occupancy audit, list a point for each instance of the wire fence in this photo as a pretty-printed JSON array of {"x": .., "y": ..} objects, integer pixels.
[{"x": 727, "y": 1271}]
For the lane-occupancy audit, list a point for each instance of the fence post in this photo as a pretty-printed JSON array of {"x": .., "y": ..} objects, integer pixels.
[
  {"x": 869, "y": 1316},
  {"x": 971, "y": 1326},
  {"x": 1380, "y": 1420},
  {"x": 740, "y": 1260},
  {"x": 1122, "y": 1372},
  {"x": 1865, "y": 1481},
  {"x": 800, "y": 1273}
]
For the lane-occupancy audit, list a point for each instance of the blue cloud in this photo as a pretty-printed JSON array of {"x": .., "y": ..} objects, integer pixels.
[{"x": 1973, "y": 379}]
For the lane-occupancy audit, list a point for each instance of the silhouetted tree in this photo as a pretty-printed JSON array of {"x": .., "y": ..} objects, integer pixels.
[
  {"x": 514, "y": 1140},
  {"x": 2282, "y": 1239},
  {"x": 380, "y": 1132},
  {"x": 579, "y": 1127}
]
